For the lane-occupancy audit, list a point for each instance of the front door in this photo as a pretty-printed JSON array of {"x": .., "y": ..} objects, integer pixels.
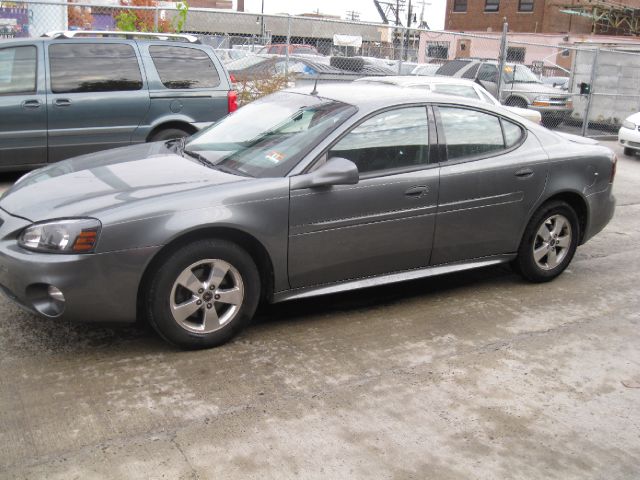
[
  {"x": 97, "y": 96},
  {"x": 382, "y": 224},
  {"x": 23, "y": 107},
  {"x": 493, "y": 176}
]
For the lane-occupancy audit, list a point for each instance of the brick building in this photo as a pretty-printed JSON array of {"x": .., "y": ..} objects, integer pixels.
[{"x": 536, "y": 16}]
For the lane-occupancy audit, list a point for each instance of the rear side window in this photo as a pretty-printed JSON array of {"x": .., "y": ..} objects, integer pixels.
[
  {"x": 469, "y": 133},
  {"x": 466, "y": 91},
  {"x": 488, "y": 73},
  {"x": 512, "y": 133},
  {"x": 390, "y": 140},
  {"x": 92, "y": 67},
  {"x": 17, "y": 70},
  {"x": 471, "y": 72},
  {"x": 450, "y": 68},
  {"x": 184, "y": 67}
]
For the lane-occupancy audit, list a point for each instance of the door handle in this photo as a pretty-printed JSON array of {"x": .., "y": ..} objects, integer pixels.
[
  {"x": 524, "y": 173},
  {"x": 417, "y": 191},
  {"x": 62, "y": 102},
  {"x": 31, "y": 104}
]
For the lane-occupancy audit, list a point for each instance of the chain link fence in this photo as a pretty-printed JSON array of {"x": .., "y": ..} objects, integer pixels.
[{"x": 577, "y": 88}]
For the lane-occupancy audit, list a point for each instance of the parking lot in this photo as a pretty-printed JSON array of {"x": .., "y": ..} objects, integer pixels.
[{"x": 472, "y": 375}]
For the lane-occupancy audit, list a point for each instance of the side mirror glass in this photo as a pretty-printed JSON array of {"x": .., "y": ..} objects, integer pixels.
[{"x": 336, "y": 171}]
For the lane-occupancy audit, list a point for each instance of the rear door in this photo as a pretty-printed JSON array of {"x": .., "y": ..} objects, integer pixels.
[
  {"x": 97, "y": 96},
  {"x": 186, "y": 83},
  {"x": 382, "y": 224},
  {"x": 488, "y": 78},
  {"x": 23, "y": 106},
  {"x": 493, "y": 176}
]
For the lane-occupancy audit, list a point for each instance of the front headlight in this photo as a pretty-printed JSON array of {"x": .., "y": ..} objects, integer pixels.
[
  {"x": 542, "y": 98},
  {"x": 629, "y": 124},
  {"x": 76, "y": 235}
]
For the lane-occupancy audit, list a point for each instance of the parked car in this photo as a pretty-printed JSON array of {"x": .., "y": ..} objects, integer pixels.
[
  {"x": 427, "y": 69},
  {"x": 452, "y": 86},
  {"x": 227, "y": 55},
  {"x": 561, "y": 83},
  {"x": 520, "y": 87},
  {"x": 298, "y": 194},
  {"x": 629, "y": 134},
  {"x": 294, "y": 48},
  {"x": 73, "y": 93}
]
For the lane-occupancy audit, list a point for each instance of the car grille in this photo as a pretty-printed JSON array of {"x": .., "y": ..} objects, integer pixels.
[{"x": 558, "y": 101}]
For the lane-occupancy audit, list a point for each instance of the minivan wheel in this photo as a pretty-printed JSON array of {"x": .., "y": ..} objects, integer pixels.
[
  {"x": 203, "y": 294},
  {"x": 549, "y": 242},
  {"x": 168, "y": 134}
]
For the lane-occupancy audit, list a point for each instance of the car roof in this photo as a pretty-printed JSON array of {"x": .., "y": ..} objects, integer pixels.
[
  {"x": 405, "y": 80},
  {"x": 370, "y": 96}
]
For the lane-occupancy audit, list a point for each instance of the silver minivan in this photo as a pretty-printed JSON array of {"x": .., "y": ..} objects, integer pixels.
[{"x": 72, "y": 93}]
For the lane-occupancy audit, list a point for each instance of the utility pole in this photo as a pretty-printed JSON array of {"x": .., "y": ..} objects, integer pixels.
[
  {"x": 262, "y": 23},
  {"x": 353, "y": 15}
]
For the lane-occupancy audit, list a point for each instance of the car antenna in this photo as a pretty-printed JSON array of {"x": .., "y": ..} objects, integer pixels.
[{"x": 315, "y": 87}]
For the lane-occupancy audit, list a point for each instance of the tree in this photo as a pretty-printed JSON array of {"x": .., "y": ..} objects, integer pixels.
[
  {"x": 136, "y": 20},
  {"x": 79, "y": 17}
]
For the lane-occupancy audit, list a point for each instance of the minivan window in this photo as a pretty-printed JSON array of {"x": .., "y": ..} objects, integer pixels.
[
  {"x": 394, "y": 139},
  {"x": 18, "y": 70},
  {"x": 184, "y": 67},
  {"x": 469, "y": 133},
  {"x": 93, "y": 67}
]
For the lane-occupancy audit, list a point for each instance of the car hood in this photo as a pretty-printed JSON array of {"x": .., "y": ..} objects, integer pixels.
[
  {"x": 534, "y": 88},
  {"x": 635, "y": 118},
  {"x": 90, "y": 184}
]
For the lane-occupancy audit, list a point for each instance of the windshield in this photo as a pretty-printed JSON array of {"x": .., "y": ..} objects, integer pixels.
[
  {"x": 269, "y": 136},
  {"x": 519, "y": 74}
]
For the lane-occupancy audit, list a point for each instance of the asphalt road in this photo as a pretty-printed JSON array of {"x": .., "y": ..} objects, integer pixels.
[{"x": 474, "y": 375}]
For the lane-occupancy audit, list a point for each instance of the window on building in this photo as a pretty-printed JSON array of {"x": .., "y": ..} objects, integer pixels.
[
  {"x": 438, "y": 49},
  {"x": 516, "y": 54},
  {"x": 459, "y": 5},
  {"x": 390, "y": 140},
  {"x": 525, "y": 5},
  {"x": 491, "y": 5},
  {"x": 93, "y": 67},
  {"x": 184, "y": 67}
]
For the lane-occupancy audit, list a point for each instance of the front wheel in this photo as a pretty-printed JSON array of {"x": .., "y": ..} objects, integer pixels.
[
  {"x": 549, "y": 242},
  {"x": 202, "y": 294},
  {"x": 629, "y": 152}
]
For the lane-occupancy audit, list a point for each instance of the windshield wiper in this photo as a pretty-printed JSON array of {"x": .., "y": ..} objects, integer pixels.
[{"x": 198, "y": 157}]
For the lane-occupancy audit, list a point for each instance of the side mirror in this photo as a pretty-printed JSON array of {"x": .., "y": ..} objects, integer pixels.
[{"x": 336, "y": 171}]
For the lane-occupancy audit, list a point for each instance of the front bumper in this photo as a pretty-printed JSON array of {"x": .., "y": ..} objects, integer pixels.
[
  {"x": 100, "y": 287},
  {"x": 629, "y": 138}
]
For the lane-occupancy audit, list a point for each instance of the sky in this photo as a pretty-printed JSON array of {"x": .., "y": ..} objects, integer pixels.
[{"x": 433, "y": 13}]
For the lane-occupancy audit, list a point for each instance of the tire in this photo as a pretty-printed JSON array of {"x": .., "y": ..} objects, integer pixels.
[
  {"x": 516, "y": 102},
  {"x": 551, "y": 122},
  {"x": 629, "y": 152},
  {"x": 168, "y": 134},
  {"x": 183, "y": 281},
  {"x": 561, "y": 222}
]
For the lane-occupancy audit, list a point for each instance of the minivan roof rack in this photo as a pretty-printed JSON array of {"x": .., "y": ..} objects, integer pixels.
[{"x": 63, "y": 34}]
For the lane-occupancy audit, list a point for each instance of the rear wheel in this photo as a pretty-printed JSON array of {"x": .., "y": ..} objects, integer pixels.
[
  {"x": 549, "y": 242},
  {"x": 168, "y": 134},
  {"x": 203, "y": 294}
]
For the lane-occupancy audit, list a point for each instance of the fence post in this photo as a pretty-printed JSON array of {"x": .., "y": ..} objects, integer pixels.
[
  {"x": 592, "y": 79},
  {"x": 503, "y": 58},
  {"x": 286, "y": 62},
  {"x": 155, "y": 18},
  {"x": 401, "y": 51}
]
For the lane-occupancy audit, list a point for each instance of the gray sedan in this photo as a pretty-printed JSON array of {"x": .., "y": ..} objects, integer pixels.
[{"x": 298, "y": 194}]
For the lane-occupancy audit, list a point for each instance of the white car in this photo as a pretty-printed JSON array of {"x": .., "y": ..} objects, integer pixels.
[
  {"x": 629, "y": 134},
  {"x": 458, "y": 87}
]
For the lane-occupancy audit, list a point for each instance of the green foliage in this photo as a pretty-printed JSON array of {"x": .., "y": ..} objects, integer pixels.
[
  {"x": 127, "y": 21},
  {"x": 180, "y": 19}
]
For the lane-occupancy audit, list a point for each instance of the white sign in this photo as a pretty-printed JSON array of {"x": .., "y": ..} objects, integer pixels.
[{"x": 347, "y": 40}]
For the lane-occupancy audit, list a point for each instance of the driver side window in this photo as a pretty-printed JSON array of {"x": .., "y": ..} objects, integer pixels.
[{"x": 390, "y": 140}]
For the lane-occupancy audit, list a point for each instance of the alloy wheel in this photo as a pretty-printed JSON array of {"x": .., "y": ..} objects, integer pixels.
[{"x": 552, "y": 242}]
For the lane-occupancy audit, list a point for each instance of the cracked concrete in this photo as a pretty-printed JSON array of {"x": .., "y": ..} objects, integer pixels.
[{"x": 473, "y": 375}]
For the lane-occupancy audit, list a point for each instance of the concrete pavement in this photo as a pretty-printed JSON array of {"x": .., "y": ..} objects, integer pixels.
[{"x": 474, "y": 375}]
